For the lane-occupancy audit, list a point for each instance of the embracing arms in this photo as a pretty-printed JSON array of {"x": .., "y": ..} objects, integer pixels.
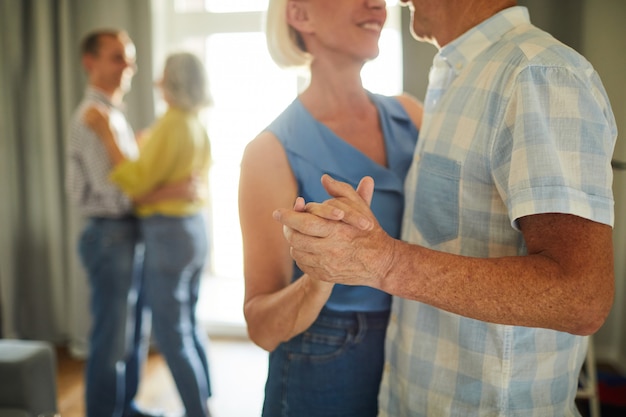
[{"x": 191, "y": 188}]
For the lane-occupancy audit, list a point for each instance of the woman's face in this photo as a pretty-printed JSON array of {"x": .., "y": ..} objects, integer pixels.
[{"x": 344, "y": 27}]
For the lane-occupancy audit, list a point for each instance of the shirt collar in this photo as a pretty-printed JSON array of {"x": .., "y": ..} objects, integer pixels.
[
  {"x": 469, "y": 45},
  {"x": 100, "y": 96}
]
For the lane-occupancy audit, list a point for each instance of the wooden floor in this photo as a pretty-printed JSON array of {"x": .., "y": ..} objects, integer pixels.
[
  {"x": 238, "y": 371},
  {"x": 156, "y": 384}
]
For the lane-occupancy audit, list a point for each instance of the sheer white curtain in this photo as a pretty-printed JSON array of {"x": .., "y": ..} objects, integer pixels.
[{"x": 43, "y": 290}]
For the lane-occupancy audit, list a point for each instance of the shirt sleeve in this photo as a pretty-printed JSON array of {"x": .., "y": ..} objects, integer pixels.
[
  {"x": 153, "y": 167},
  {"x": 554, "y": 153}
]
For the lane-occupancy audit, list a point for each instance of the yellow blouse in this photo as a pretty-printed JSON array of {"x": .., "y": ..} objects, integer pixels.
[{"x": 177, "y": 147}]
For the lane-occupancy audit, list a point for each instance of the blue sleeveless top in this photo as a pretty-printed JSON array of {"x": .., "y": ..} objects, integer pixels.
[{"x": 313, "y": 149}]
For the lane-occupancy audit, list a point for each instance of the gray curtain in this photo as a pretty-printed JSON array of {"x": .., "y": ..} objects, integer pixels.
[{"x": 43, "y": 290}]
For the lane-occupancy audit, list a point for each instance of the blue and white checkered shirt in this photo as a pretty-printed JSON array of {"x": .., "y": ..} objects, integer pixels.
[
  {"x": 88, "y": 166},
  {"x": 515, "y": 124}
]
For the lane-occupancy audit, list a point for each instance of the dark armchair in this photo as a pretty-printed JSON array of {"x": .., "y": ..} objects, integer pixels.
[{"x": 27, "y": 378}]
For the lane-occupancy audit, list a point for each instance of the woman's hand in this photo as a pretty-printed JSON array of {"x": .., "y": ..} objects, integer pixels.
[{"x": 97, "y": 120}]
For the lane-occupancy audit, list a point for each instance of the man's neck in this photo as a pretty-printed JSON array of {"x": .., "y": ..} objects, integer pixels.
[
  {"x": 469, "y": 14},
  {"x": 115, "y": 96}
]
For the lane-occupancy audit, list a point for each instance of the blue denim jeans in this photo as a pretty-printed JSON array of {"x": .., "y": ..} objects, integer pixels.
[
  {"x": 111, "y": 252},
  {"x": 176, "y": 250},
  {"x": 333, "y": 369}
]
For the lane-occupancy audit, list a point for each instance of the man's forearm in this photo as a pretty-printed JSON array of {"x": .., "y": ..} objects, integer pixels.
[{"x": 535, "y": 290}]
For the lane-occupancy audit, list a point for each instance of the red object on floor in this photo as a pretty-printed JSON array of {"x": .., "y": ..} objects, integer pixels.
[{"x": 612, "y": 390}]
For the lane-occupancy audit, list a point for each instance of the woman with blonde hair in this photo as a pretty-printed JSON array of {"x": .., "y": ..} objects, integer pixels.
[
  {"x": 326, "y": 342},
  {"x": 174, "y": 231}
]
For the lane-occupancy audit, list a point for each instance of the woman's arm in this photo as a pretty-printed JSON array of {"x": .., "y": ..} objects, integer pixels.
[
  {"x": 190, "y": 189},
  {"x": 99, "y": 123},
  {"x": 275, "y": 308},
  {"x": 413, "y": 107}
]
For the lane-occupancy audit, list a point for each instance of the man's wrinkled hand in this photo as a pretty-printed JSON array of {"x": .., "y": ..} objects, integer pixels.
[{"x": 339, "y": 240}]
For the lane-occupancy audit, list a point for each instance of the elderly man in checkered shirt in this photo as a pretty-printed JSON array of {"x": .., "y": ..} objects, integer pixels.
[{"x": 506, "y": 260}]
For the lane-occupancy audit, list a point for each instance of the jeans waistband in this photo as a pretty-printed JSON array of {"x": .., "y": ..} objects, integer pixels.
[
  {"x": 344, "y": 319},
  {"x": 125, "y": 218}
]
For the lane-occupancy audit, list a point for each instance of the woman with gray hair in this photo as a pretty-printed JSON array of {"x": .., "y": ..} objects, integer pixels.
[
  {"x": 184, "y": 82},
  {"x": 176, "y": 244}
]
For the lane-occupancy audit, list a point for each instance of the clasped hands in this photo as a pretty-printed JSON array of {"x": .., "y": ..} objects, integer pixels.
[{"x": 339, "y": 240}]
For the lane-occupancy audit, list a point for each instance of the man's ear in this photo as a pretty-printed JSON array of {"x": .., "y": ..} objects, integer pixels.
[
  {"x": 87, "y": 61},
  {"x": 298, "y": 15}
]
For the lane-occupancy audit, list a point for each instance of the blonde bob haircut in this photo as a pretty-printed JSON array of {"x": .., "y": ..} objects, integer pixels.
[
  {"x": 185, "y": 81},
  {"x": 284, "y": 43}
]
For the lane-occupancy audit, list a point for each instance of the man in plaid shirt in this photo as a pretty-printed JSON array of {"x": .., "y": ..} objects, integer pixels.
[{"x": 506, "y": 259}]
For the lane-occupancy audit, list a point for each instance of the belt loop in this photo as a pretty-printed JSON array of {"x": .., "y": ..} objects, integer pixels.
[{"x": 361, "y": 319}]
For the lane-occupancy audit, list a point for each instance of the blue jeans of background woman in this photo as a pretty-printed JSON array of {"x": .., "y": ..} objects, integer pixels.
[
  {"x": 333, "y": 369},
  {"x": 176, "y": 250},
  {"x": 112, "y": 253}
]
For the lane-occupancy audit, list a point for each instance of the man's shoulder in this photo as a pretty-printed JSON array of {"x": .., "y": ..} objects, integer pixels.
[
  {"x": 76, "y": 120},
  {"x": 77, "y": 129},
  {"x": 84, "y": 103},
  {"x": 533, "y": 47}
]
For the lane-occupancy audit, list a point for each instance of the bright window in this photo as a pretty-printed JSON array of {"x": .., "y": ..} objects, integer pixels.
[
  {"x": 248, "y": 92},
  {"x": 220, "y": 6}
]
